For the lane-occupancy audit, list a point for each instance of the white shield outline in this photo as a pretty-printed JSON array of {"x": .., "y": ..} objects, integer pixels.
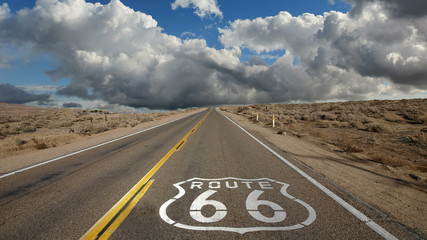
[{"x": 162, "y": 211}]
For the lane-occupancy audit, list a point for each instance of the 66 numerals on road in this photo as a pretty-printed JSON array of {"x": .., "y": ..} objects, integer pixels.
[
  {"x": 208, "y": 202},
  {"x": 252, "y": 203}
]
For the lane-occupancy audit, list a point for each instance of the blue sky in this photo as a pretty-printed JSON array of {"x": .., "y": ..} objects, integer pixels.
[{"x": 26, "y": 64}]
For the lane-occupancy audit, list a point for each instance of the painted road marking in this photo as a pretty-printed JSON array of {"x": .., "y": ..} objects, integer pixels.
[
  {"x": 362, "y": 217},
  {"x": 181, "y": 144},
  {"x": 89, "y": 148},
  {"x": 105, "y": 227},
  {"x": 252, "y": 193}
]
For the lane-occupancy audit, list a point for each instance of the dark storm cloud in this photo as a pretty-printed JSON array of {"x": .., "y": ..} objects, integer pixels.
[
  {"x": 71, "y": 105},
  {"x": 11, "y": 94},
  {"x": 397, "y": 8}
]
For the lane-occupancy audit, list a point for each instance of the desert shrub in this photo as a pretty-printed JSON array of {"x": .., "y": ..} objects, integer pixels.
[
  {"x": 291, "y": 120},
  {"x": 284, "y": 119},
  {"x": 305, "y": 117},
  {"x": 326, "y": 116},
  {"x": 365, "y": 120},
  {"x": 341, "y": 124},
  {"x": 29, "y": 118},
  {"x": 40, "y": 124},
  {"x": 345, "y": 144},
  {"x": 372, "y": 110},
  {"x": 420, "y": 136},
  {"x": 12, "y": 119},
  {"x": 357, "y": 125},
  {"x": 317, "y": 134},
  {"x": 143, "y": 119},
  {"x": 416, "y": 138},
  {"x": 374, "y": 127},
  {"x": 79, "y": 120},
  {"x": 414, "y": 117},
  {"x": 26, "y": 123},
  {"x": 4, "y": 132},
  {"x": 349, "y": 147},
  {"x": 162, "y": 114},
  {"x": 322, "y": 125},
  {"x": 242, "y": 109},
  {"x": 16, "y": 130},
  {"x": 89, "y": 118},
  {"x": 28, "y": 129},
  {"x": 387, "y": 159},
  {"x": 88, "y": 129},
  {"x": 66, "y": 124},
  {"x": 98, "y": 128},
  {"x": 19, "y": 142},
  {"x": 378, "y": 127},
  {"x": 133, "y": 122},
  {"x": 346, "y": 118},
  {"x": 39, "y": 144},
  {"x": 3, "y": 120},
  {"x": 112, "y": 124}
]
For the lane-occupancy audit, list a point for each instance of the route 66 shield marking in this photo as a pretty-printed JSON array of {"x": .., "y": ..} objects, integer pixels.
[{"x": 236, "y": 205}]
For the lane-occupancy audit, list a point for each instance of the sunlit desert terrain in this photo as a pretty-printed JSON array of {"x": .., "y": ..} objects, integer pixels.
[
  {"x": 392, "y": 133},
  {"x": 25, "y": 129}
]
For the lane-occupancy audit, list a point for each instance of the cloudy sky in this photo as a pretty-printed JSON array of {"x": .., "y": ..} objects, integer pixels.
[{"x": 150, "y": 54}]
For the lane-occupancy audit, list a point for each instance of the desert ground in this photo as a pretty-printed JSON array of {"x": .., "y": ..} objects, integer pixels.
[
  {"x": 29, "y": 135},
  {"x": 375, "y": 150},
  {"x": 392, "y": 133}
]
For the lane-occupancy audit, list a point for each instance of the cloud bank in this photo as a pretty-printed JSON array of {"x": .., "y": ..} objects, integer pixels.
[
  {"x": 204, "y": 8},
  {"x": 397, "y": 8},
  {"x": 71, "y": 105},
  {"x": 12, "y": 94},
  {"x": 115, "y": 54},
  {"x": 371, "y": 46}
]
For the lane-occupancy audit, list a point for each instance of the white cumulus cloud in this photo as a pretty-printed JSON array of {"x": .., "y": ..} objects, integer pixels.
[
  {"x": 4, "y": 11},
  {"x": 203, "y": 8}
]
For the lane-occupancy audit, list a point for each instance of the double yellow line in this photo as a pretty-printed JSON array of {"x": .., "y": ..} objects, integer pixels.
[{"x": 106, "y": 226}]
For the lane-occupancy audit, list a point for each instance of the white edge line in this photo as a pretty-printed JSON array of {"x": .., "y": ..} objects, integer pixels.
[
  {"x": 88, "y": 148},
  {"x": 362, "y": 217}
]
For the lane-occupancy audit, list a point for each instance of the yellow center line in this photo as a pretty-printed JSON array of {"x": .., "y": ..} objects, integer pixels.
[{"x": 105, "y": 226}]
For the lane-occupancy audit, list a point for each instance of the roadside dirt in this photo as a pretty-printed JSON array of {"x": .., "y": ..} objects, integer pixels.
[
  {"x": 388, "y": 187},
  {"x": 55, "y": 132}
]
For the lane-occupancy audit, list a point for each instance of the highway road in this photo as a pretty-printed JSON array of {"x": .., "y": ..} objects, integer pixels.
[{"x": 201, "y": 177}]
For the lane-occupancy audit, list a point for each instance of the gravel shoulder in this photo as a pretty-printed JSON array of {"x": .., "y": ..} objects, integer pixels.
[{"x": 381, "y": 187}]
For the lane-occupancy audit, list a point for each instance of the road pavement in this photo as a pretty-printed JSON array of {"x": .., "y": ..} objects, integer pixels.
[{"x": 201, "y": 177}]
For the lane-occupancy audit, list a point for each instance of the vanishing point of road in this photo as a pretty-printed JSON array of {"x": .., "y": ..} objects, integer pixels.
[{"x": 199, "y": 177}]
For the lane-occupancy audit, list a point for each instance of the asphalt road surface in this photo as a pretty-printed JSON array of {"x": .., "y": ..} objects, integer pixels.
[{"x": 201, "y": 177}]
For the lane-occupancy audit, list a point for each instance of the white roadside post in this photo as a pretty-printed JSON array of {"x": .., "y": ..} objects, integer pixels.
[
  {"x": 274, "y": 125},
  {"x": 257, "y": 117}
]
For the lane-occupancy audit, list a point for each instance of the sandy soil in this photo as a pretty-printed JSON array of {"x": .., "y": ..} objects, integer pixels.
[
  {"x": 376, "y": 184},
  {"x": 65, "y": 141}
]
